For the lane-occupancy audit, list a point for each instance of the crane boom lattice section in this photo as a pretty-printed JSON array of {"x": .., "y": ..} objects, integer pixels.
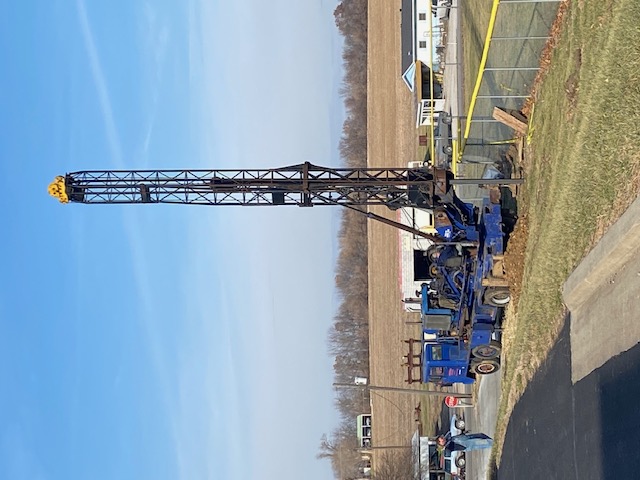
[{"x": 303, "y": 185}]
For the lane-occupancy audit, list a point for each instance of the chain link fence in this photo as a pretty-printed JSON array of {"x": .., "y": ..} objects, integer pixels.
[{"x": 517, "y": 33}]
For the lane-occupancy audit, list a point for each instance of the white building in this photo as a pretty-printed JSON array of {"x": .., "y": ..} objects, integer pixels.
[{"x": 422, "y": 40}]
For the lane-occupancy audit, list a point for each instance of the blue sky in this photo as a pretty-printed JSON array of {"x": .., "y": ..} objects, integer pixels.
[{"x": 164, "y": 342}]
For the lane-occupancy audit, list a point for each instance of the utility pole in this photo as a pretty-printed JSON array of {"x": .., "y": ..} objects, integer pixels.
[{"x": 410, "y": 391}]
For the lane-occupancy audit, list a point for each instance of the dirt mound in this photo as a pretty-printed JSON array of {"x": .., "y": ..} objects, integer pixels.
[{"x": 514, "y": 257}]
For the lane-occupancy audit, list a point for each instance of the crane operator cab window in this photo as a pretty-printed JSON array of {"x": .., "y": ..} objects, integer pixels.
[{"x": 436, "y": 352}]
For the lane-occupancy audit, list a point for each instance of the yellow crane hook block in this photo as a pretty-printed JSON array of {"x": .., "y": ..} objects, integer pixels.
[{"x": 58, "y": 189}]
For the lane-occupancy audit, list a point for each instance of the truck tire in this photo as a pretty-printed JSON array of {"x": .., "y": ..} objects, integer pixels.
[
  {"x": 460, "y": 424},
  {"x": 490, "y": 351},
  {"x": 433, "y": 253},
  {"x": 486, "y": 367},
  {"x": 461, "y": 462},
  {"x": 447, "y": 149},
  {"x": 434, "y": 271},
  {"x": 497, "y": 296}
]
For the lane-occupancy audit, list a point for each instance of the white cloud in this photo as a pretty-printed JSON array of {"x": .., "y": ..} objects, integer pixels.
[
  {"x": 101, "y": 85},
  {"x": 155, "y": 36},
  {"x": 140, "y": 264},
  {"x": 213, "y": 422}
]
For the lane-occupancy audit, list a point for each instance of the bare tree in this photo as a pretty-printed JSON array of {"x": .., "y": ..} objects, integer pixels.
[
  {"x": 348, "y": 338},
  {"x": 342, "y": 449},
  {"x": 327, "y": 448},
  {"x": 396, "y": 465}
]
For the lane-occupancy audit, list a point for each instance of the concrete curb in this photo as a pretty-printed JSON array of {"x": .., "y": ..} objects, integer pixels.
[{"x": 613, "y": 250}]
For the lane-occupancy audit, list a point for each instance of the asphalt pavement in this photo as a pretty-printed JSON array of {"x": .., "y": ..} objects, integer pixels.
[
  {"x": 482, "y": 419},
  {"x": 579, "y": 417},
  {"x": 587, "y": 430}
]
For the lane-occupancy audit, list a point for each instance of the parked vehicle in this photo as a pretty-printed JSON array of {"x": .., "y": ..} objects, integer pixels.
[{"x": 457, "y": 459}]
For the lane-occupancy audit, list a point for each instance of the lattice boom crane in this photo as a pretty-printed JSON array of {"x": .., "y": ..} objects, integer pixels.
[
  {"x": 304, "y": 185},
  {"x": 464, "y": 283}
]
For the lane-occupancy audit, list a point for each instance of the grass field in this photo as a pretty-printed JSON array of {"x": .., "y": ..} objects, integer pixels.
[{"x": 582, "y": 171}]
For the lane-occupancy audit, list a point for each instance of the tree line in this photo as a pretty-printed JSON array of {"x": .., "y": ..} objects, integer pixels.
[{"x": 348, "y": 337}]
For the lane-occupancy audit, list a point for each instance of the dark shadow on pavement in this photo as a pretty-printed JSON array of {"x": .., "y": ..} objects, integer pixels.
[
  {"x": 610, "y": 395},
  {"x": 585, "y": 431}
]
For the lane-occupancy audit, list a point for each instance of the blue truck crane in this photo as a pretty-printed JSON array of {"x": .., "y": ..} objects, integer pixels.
[{"x": 461, "y": 305}]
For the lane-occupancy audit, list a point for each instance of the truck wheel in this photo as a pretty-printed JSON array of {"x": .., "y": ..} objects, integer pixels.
[
  {"x": 486, "y": 367},
  {"x": 461, "y": 461},
  {"x": 460, "y": 424},
  {"x": 433, "y": 253},
  {"x": 497, "y": 296},
  {"x": 447, "y": 149},
  {"x": 488, "y": 351},
  {"x": 434, "y": 271}
]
